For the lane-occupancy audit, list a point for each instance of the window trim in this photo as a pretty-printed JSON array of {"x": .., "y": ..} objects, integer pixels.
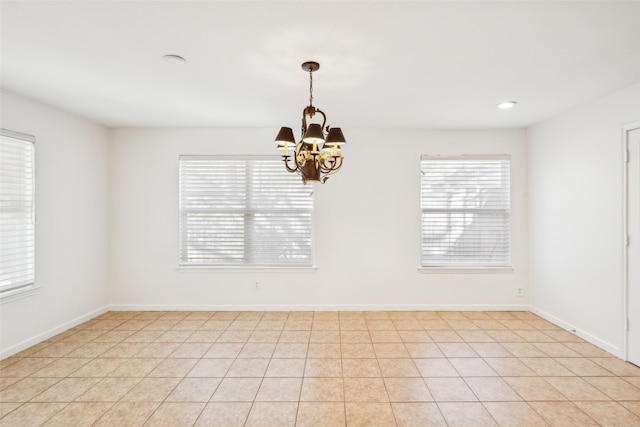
[
  {"x": 461, "y": 269},
  {"x": 233, "y": 268},
  {"x": 27, "y": 289}
]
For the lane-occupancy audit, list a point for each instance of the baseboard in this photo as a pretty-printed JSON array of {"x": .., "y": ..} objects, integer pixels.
[
  {"x": 17, "y": 348},
  {"x": 318, "y": 307},
  {"x": 613, "y": 349}
]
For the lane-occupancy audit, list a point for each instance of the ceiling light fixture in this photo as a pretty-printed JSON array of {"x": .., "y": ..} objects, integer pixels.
[
  {"x": 174, "y": 59},
  {"x": 317, "y": 155},
  {"x": 505, "y": 105}
]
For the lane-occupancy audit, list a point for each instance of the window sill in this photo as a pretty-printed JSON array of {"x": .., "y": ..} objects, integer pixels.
[
  {"x": 463, "y": 270},
  {"x": 245, "y": 269},
  {"x": 19, "y": 293}
]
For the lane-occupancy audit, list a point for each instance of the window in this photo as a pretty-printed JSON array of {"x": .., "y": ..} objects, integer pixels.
[
  {"x": 17, "y": 214},
  {"x": 243, "y": 211},
  {"x": 465, "y": 202}
]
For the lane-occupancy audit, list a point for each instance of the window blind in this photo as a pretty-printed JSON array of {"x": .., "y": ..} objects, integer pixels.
[
  {"x": 465, "y": 203},
  {"x": 243, "y": 211},
  {"x": 17, "y": 215}
]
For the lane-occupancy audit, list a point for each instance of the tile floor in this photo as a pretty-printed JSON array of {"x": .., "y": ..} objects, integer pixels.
[{"x": 317, "y": 369}]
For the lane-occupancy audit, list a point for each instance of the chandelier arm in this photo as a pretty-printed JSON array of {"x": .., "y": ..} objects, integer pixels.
[
  {"x": 333, "y": 166},
  {"x": 285, "y": 159}
]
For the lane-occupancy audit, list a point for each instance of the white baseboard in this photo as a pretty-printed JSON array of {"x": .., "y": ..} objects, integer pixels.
[
  {"x": 613, "y": 349},
  {"x": 17, "y": 348},
  {"x": 318, "y": 307}
]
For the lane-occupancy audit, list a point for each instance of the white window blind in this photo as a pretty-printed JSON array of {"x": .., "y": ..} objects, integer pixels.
[
  {"x": 243, "y": 211},
  {"x": 465, "y": 204},
  {"x": 17, "y": 214}
]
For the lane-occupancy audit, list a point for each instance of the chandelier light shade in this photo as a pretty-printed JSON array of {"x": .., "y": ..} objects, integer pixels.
[{"x": 318, "y": 153}]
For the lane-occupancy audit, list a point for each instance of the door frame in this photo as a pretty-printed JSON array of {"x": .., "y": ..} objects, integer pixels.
[{"x": 626, "y": 130}]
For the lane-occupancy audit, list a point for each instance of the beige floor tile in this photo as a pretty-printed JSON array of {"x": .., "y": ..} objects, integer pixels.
[
  {"x": 79, "y": 414},
  {"x": 365, "y": 390},
  {"x": 534, "y": 389},
  {"x": 212, "y": 368},
  {"x": 194, "y": 390},
  {"x": 490, "y": 349},
  {"x": 514, "y": 414},
  {"x": 224, "y": 351},
  {"x": 257, "y": 350},
  {"x": 326, "y": 315},
  {"x": 492, "y": 389},
  {"x": 173, "y": 368},
  {"x": 576, "y": 389},
  {"x": 407, "y": 390},
  {"x": 417, "y": 414},
  {"x": 326, "y": 325},
  {"x": 435, "y": 367},
  {"x": 586, "y": 349},
  {"x": 353, "y": 324},
  {"x": 323, "y": 368},
  {"x": 66, "y": 390},
  {"x": 215, "y": 325},
  {"x": 151, "y": 390},
  {"x": 466, "y": 414},
  {"x": 127, "y": 414},
  {"x": 31, "y": 414},
  {"x": 295, "y": 336},
  {"x": 224, "y": 414},
  {"x": 617, "y": 366},
  {"x": 556, "y": 349},
  {"x": 489, "y": 325},
  {"x": 423, "y": 350},
  {"x": 509, "y": 367},
  {"x": 632, "y": 406},
  {"x": 298, "y": 325},
  {"x": 357, "y": 351},
  {"x": 398, "y": 368},
  {"x": 409, "y": 336},
  {"x": 369, "y": 414},
  {"x": 385, "y": 336},
  {"x": 264, "y": 337},
  {"x": 451, "y": 349},
  {"x": 615, "y": 388},
  {"x": 243, "y": 325},
  {"x": 291, "y": 350},
  {"x": 445, "y": 336},
  {"x": 450, "y": 390},
  {"x": 360, "y": 368},
  {"x": 609, "y": 413},
  {"x": 144, "y": 336},
  {"x": 408, "y": 325},
  {"x": 635, "y": 381},
  {"x": 474, "y": 336},
  {"x": 7, "y": 407},
  {"x": 563, "y": 414},
  {"x": 136, "y": 367},
  {"x": 235, "y": 336},
  {"x": 190, "y": 350},
  {"x": 321, "y": 414},
  {"x": 472, "y": 367},
  {"x": 126, "y": 350},
  {"x": 523, "y": 349},
  {"x": 324, "y": 336},
  {"x": 324, "y": 350},
  {"x": 583, "y": 367},
  {"x": 545, "y": 366},
  {"x": 26, "y": 367},
  {"x": 170, "y": 414},
  {"x": 272, "y": 414},
  {"x": 109, "y": 389},
  {"x": 322, "y": 390},
  {"x": 158, "y": 350},
  {"x": 270, "y": 325},
  {"x": 248, "y": 368},
  {"x": 174, "y": 336},
  {"x": 286, "y": 368},
  {"x": 237, "y": 390},
  {"x": 355, "y": 337},
  {"x": 380, "y": 325},
  {"x": 279, "y": 390},
  {"x": 61, "y": 367},
  {"x": 390, "y": 350}
]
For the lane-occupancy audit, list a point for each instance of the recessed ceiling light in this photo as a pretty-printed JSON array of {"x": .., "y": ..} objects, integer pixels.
[
  {"x": 505, "y": 105},
  {"x": 174, "y": 59}
]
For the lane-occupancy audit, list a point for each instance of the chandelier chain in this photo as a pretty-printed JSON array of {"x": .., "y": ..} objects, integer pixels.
[{"x": 311, "y": 88}]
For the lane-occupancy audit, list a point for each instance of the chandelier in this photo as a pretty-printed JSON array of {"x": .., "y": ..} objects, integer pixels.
[{"x": 317, "y": 155}]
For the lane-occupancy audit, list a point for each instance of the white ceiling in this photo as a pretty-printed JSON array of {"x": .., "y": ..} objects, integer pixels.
[{"x": 420, "y": 64}]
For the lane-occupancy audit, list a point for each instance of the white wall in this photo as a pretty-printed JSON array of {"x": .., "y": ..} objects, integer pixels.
[
  {"x": 72, "y": 223},
  {"x": 367, "y": 226},
  {"x": 575, "y": 216}
]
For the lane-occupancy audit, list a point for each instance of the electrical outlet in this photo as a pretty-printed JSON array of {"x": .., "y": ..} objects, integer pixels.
[
  {"x": 520, "y": 292},
  {"x": 257, "y": 286}
]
